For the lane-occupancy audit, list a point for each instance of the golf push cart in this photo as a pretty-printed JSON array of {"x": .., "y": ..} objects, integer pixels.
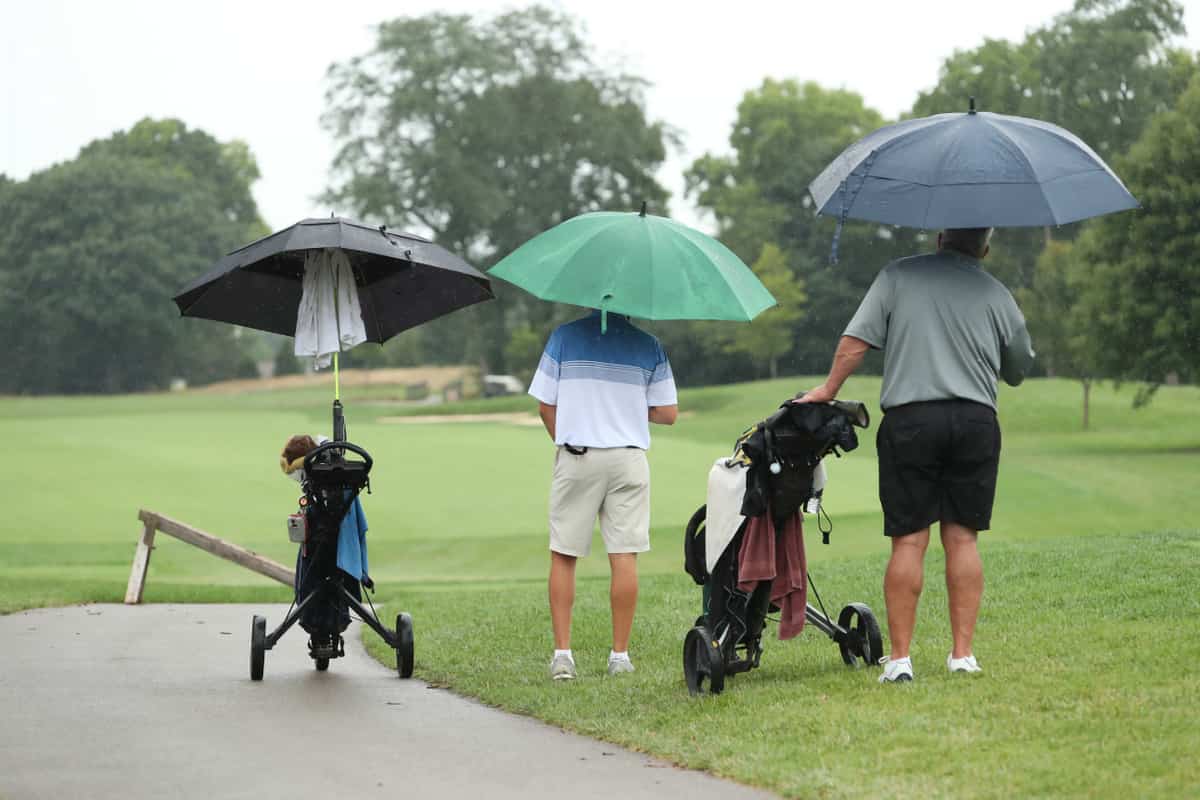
[
  {"x": 325, "y": 595},
  {"x": 778, "y": 456}
]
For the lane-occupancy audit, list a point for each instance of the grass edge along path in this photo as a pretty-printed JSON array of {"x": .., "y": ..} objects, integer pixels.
[{"x": 1090, "y": 647}]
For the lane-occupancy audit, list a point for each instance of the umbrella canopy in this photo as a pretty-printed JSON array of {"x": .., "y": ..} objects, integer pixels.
[
  {"x": 637, "y": 264},
  {"x": 402, "y": 280},
  {"x": 972, "y": 170}
]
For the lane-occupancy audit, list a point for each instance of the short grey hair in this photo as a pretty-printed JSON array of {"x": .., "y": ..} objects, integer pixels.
[{"x": 972, "y": 241}]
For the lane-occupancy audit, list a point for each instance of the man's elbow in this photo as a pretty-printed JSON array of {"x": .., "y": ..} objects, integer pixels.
[
  {"x": 664, "y": 415},
  {"x": 1014, "y": 370}
]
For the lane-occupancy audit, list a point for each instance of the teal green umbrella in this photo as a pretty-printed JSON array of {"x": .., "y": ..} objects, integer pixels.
[{"x": 637, "y": 264}]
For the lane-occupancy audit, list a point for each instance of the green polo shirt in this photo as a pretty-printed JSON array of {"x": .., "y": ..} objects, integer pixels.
[{"x": 947, "y": 329}]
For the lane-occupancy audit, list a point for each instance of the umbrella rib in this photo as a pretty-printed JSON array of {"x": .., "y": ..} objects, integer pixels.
[
  {"x": 986, "y": 183},
  {"x": 724, "y": 283},
  {"x": 1028, "y": 164},
  {"x": 1016, "y": 146},
  {"x": 917, "y": 126},
  {"x": 650, "y": 236},
  {"x": 548, "y": 292}
]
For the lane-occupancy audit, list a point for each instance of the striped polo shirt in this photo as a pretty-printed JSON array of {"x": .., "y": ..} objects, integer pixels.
[{"x": 603, "y": 383}]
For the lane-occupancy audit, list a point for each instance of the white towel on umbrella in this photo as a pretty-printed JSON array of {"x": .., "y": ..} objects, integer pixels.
[{"x": 330, "y": 317}]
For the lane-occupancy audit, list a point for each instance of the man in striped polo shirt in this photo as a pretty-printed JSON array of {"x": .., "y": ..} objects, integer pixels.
[{"x": 599, "y": 385}]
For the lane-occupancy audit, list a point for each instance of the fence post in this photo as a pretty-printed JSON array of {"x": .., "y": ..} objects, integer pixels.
[
  {"x": 153, "y": 522},
  {"x": 141, "y": 561}
]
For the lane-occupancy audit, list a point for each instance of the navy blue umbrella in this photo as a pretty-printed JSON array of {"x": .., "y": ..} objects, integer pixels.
[{"x": 972, "y": 170}]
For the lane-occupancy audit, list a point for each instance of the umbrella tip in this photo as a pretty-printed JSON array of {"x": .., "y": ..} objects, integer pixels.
[
  {"x": 971, "y": 110},
  {"x": 643, "y": 211}
]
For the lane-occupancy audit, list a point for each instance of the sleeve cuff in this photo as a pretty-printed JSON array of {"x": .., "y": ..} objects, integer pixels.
[{"x": 873, "y": 341}]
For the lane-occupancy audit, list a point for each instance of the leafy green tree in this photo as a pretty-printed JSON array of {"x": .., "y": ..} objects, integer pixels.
[
  {"x": 1141, "y": 297},
  {"x": 1056, "y": 319},
  {"x": 786, "y": 132},
  {"x": 484, "y": 133},
  {"x": 286, "y": 362},
  {"x": 523, "y": 351},
  {"x": 94, "y": 249},
  {"x": 227, "y": 169},
  {"x": 1105, "y": 68},
  {"x": 770, "y": 337},
  {"x": 1102, "y": 70}
]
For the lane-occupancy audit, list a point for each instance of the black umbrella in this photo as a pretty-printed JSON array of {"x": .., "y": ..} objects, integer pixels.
[{"x": 403, "y": 280}]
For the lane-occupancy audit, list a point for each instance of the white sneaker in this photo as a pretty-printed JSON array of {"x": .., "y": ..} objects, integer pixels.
[
  {"x": 964, "y": 664},
  {"x": 897, "y": 671},
  {"x": 616, "y": 666},
  {"x": 562, "y": 668}
]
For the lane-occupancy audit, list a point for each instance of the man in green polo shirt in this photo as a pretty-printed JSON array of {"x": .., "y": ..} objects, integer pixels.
[{"x": 948, "y": 331}]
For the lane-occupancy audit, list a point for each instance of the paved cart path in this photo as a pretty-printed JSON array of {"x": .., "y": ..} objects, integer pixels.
[{"x": 155, "y": 701}]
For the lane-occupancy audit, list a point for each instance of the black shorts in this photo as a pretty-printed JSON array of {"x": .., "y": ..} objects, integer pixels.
[{"x": 937, "y": 463}]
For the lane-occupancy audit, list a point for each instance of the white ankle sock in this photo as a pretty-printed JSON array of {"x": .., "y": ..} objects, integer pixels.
[
  {"x": 613, "y": 655},
  {"x": 566, "y": 653}
]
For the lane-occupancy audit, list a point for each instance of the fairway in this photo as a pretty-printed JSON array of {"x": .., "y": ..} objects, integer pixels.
[
  {"x": 465, "y": 503},
  {"x": 1088, "y": 632}
]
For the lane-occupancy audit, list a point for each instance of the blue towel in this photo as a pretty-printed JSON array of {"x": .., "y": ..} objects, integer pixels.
[{"x": 352, "y": 542}]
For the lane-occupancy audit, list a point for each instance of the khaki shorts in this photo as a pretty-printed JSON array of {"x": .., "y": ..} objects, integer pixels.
[{"x": 613, "y": 483}]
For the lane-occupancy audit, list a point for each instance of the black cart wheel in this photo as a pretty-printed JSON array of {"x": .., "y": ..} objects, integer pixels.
[
  {"x": 863, "y": 645},
  {"x": 703, "y": 662},
  {"x": 322, "y": 664},
  {"x": 258, "y": 647},
  {"x": 404, "y": 645}
]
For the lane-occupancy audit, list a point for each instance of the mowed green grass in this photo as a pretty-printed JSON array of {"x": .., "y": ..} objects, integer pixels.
[
  {"x": 1088, "y": 633},
  {"x": 1089, "y": 646},
  {"x": 466, "y": 502}
]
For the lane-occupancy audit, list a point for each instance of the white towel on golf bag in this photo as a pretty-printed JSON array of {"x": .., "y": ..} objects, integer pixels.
[
  {"x": 726, "y": 491},
  {"x": 330, "y": 317}
]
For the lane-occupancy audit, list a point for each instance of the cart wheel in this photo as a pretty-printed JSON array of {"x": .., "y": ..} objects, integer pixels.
[
  {"x": 322, "y": 664},
  {"x": 863, "y": 640},
  {"x": 703, "y": 662},
  {"x": 258, "y": 647},
  {"x": 404, "y": 645}
]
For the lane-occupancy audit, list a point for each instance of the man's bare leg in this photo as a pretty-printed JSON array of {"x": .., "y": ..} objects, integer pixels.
[
  {"x": 902, "y": 584},
  {"x": 623, "y": 594},
  {"x": 562, "y": 597},
  {"x": 964, "y": 583}
]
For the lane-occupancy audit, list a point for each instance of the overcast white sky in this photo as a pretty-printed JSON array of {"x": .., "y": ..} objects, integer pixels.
[{"x": 71, "y": 72}]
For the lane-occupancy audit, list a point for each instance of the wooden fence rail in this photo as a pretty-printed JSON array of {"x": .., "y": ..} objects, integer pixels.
[{"x": 152, "y": 522}]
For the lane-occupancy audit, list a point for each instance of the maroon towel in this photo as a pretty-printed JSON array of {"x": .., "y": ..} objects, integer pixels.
[{"x": 761, "y": 560}]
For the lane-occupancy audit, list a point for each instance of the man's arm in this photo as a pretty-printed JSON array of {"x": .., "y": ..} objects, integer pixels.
[
  {"x": 664, "y": 415},
  {"x": 1016, "y": 357},
  {"x": 549, "y": 415},
  {"x": 846, "y": 360}
]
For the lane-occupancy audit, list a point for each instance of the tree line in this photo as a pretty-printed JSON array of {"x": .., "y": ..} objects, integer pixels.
[{"x": 483, "y": 132}]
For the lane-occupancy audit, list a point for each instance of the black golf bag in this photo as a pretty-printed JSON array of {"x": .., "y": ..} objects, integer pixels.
[
  {"x": 325, "y": 595},
  {"x": 780, "y": 454}
]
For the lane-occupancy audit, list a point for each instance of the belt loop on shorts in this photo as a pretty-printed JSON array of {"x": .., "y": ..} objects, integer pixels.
[{"x": 575, "y": 451}]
